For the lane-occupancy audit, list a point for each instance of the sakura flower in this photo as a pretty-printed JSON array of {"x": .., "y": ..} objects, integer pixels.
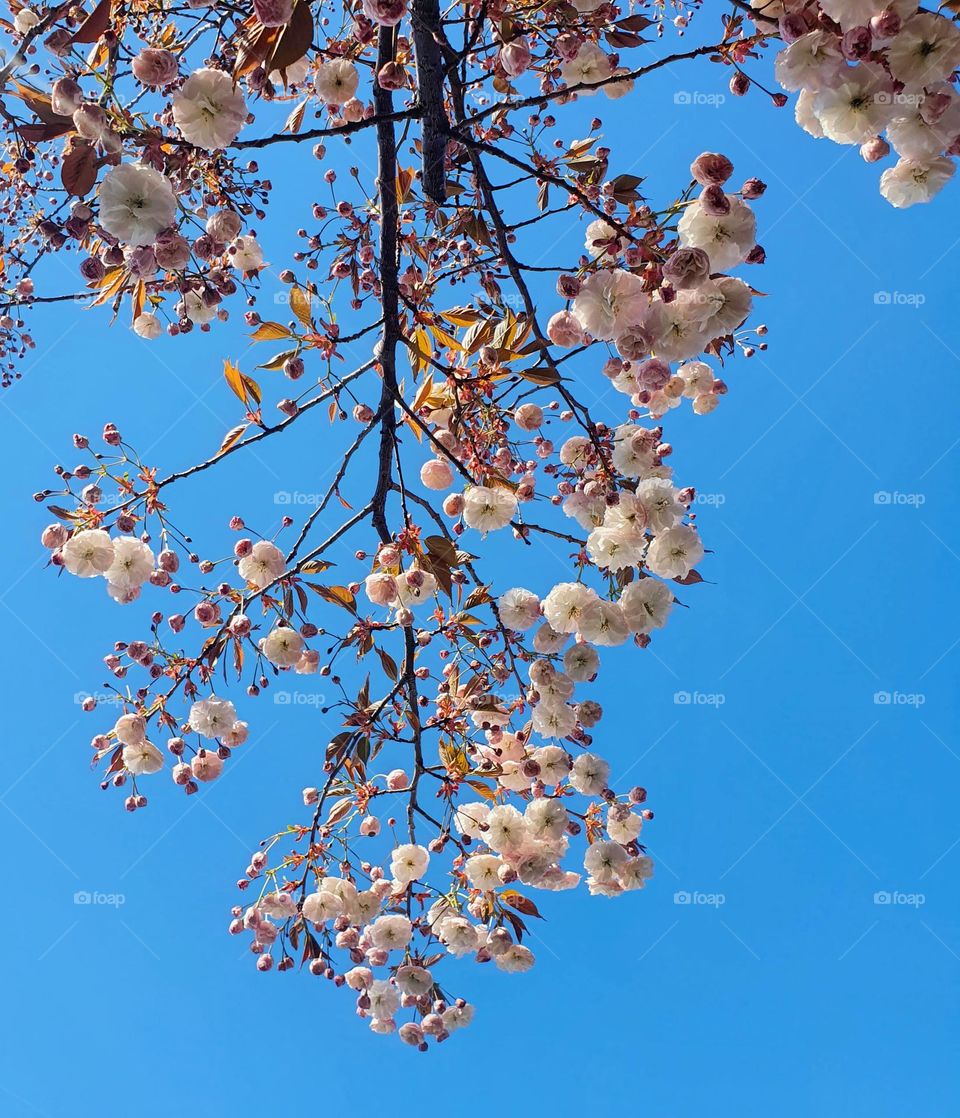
[
  {"x": 515, "y": 960},
  {"x": 384, "y": 1000},
  {"x": 609, "y": 302},
  {"x": 385, "y": 12},
  {"x": 25, "y": 20},
  {"x": 488, "y": 508},
  {"x": 470, "y": 817},
  {"x": 602, "y": 240},
  {"x": 436, "y": 474},
  {"x": 263, "y": 565},
  {"x": 415, "y": 587},
  {"x": 409, "y": 862},
  {"x": 195, "y": 307},
  {"x": 132, "y": 565},
  {"x": 603, "y": 859},
  {"x": 336, "y": 81},
  {"x": 564, "y": 330},
  {"x": 414, "y": 980},
  {"x": 154, "y": 68},
  {"x": 212, "y": 717},
  {"x": 658, "y": 497},
  {"x": 142, "y": 759},
  {"x": 321, "y": 906},
  {"x": 282, "y": 646},
  {"x": 623, "y": 825},
  {"x": 725, "y": 239},
  {"x": 457, "y": 1017},
  {"x": 553, "y": 721},
  {"x": 856, "y": 108},
  {"x": 381, "y": 589},
  {"x": 674, "y": 553},
  {"x": 482, "y": 871},
  {"x": 604, "y": 625},
  {"x": 547, "y": 819},
  {"x": 635, "y": 872},
  {"x": 209, "y": 110},
  {"x": 88, "y": 554},
  {"x": 505, "y": 828},
  {"x": 926, "y": 50},
  {"x": 646, "y": 605},
  {"x": 514, "y": 57},
  {"x": 811, "y": 62},
  {"x": 392, "y": 933},
  {"x": 519, "y": 609},
  {"x": 612, "y": 549},
  {"x": 589, "y": 774},
  {"x": 131, "y": 729},
  {"x": 458, "y": 935},
  {"x": 136, "y": 202},
  {"x": 278, "y": 904},
  {"x": 247, "y": 256},
  {"x": 911, "y": 182},
  {"x": 565, "y": 605},
  {"x": 581, "y": 661},
  {"x": 273, "y": 13},
  {"x": 589, "y": 66},
  {"x": 147, "y": 326},
  {"x": 207, "y": 765}
]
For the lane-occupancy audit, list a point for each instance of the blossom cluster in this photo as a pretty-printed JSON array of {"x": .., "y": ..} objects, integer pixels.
[
  {"x": 878, "y": 74},
  {"x": 466, "y": 407}
]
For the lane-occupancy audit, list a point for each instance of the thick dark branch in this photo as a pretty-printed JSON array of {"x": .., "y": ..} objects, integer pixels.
[
  {"x": 390, "y": 291},
  {"x": 430, "y": 87}
]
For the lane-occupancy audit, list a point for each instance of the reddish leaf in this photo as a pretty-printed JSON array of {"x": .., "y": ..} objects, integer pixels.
[
  {"x": 78, "y": 172},
  {"x": 94, "y": 25}
]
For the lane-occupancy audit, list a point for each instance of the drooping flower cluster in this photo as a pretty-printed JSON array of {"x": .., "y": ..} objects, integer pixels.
[
  {"x": 466, "y": 405},
  {"x": 878, "y": 74}
]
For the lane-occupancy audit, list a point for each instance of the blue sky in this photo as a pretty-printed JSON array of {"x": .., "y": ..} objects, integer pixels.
[{"x": 796, "y": 727}]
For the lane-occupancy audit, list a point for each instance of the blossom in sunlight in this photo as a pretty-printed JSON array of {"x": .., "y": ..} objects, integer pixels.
[
  {"x": 132, "y": 565},
  {"x": 589, "y": 66},
  {"x": 725, "y": 238},
  {"x": 282, "y": 646},
  {"x": 88, "y": 554},
  {"x": 147, "y": 326},
  {"x": 911, "y": 182},
  {"x": 142, "y": 759},
  {"x": 209, "y": 110},
  {"x": 519, "y": 608},
  {"x": 336, "y": 81},
  {"x": 154, "y": 68},
  {"x": 488, "y": 508},
  {"x": 262, "y": 565},
  {"x": 212, "y": 717},
  {"x": 674, "y": 553},
  {"x": 136, "y": 203},
  {"x": 247, "y": 255},
  {"x": 409, "y": 862}
]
